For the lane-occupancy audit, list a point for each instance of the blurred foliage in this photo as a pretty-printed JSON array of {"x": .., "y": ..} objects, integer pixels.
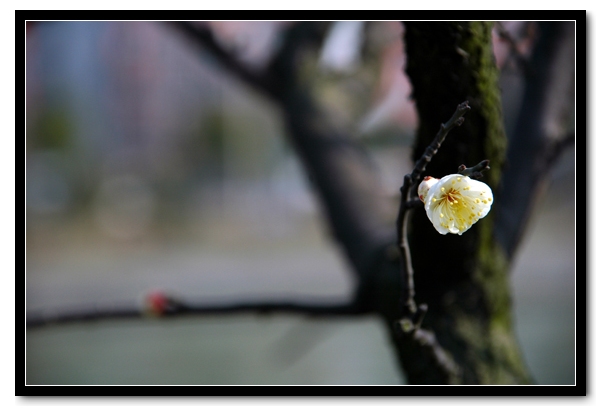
[{"x": 52, "y": 129}]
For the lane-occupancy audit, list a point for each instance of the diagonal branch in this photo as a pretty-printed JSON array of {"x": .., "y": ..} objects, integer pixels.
[
  {"x": 341, "y": 171},
  {"x": 203, "y": 35},
  {"x": 555, "y": 149},
  {"x": 456, "y": 120},
  {"x": 516, "y": 54}
]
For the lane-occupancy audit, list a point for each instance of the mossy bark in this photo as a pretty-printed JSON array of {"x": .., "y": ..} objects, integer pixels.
[{"x": 463, "y": 279}]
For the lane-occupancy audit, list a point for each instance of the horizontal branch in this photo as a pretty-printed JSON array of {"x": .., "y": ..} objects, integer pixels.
[
  {"x": 168, "y": 307},
  {"x": 475, "y": 172}
]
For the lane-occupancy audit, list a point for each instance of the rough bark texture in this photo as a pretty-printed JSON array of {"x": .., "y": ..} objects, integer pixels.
[{"x": 463, "y": 279}]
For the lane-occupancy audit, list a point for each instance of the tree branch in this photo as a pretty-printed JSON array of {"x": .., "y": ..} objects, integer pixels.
[
  {"x": 516, "y": 54},
  {"x": 456, "y": 120},
  {"x": 160, "y": 305},
  {"x": 356, "y": 207},
  {"x": 555, "y": 149},
  {"x": 203, "y": 35},
  {"x": 407, "y": 192},
  {"x": 355, "y": 204},
  {"x": 435, "y": 363},
  {"x": 475, "y": 172},
  {"x": 410, "y": 337},
  {"x": 353, "y": 199},
  {"x": 543, "y": 117}
]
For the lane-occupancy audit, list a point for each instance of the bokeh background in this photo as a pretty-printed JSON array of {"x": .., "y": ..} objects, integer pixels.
[{"x": 148, "y": 167}]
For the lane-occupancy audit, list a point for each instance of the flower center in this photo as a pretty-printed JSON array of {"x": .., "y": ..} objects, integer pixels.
[{"x": 452, "y": 196}]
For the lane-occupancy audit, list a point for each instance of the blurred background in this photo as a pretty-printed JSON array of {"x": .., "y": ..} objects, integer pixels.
[{"x": 148, "y": 167}]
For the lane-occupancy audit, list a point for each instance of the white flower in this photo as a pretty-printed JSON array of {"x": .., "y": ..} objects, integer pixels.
[{"x": 455, "y": 202}]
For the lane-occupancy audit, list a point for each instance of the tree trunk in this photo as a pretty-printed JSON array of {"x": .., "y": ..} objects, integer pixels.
[{"x": 463, "y": 279}]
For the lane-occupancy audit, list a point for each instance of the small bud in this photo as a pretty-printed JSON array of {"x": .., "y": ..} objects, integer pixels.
[
  {"x": 424, "y": 187},
  {"x": 157, "y": 303}
]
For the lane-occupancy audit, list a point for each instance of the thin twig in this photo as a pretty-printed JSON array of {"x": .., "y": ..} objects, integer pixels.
[
  {"x": 407, "y": 202},
  {"x": 455, "y": 121},
  {"x": 409, "y": 326},
  {"x": 475, "y": 172}
]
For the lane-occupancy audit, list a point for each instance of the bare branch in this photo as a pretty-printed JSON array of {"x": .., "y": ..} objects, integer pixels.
[
  {"x": 556, "y": 149},
  {"x": 455, "y": 121},
  {"x": 41, "y": 319},
  {"x": 439, "y": 362},
  {"x": 407, "y": 193},
  {"x": 475, "y": 172},
  {"x": 340, "y": 169},
  {"x": 548, "y": 101},
  {"x": 516, "y": 54},
  {"x": 408, "y": 331},
  {"x": 171, "y": 307},
  {"x": 204, "y": 36}
]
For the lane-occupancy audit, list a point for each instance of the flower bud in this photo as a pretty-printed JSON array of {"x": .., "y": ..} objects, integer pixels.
[{"x": 424, "y": 187}]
